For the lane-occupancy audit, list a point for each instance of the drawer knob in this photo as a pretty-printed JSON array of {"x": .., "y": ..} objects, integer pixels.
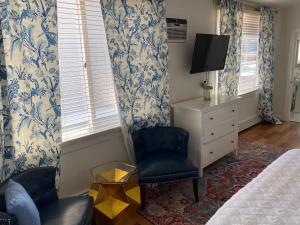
[
  {"x": 211, "y": 153},
  {"x": 233, "y": 125},
  {"x": 212, "y": 134},
  {"x": 233, "y": 110},
  {"x": 211, "y": 118},
  {"x": 232, "y": 142}
]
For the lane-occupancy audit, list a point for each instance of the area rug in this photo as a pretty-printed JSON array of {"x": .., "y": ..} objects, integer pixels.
[{"x": 173, "y": 204}]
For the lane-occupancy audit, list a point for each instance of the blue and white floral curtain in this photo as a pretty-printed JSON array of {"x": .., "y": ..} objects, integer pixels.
[
  {"x": 266, "y": 65},
  {"x": 137, "y": 39},
  {"x": 231, "y": 22},
  {"x": 30, "y": 101}
]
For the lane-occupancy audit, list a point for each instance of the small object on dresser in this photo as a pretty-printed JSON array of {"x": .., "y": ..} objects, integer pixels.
[{"x": 206, "y": 91}]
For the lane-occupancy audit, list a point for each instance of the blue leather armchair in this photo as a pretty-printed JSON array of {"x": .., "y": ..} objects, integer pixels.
[
  {"x": 40, "y": 185},
  {"x": 162, "y": 155}
]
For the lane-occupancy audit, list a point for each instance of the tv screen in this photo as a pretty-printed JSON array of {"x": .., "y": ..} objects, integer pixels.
[{"x": 210, "y": 52}]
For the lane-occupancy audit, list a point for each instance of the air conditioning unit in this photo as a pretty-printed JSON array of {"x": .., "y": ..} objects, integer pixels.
[{"x": 177, "y": 30}]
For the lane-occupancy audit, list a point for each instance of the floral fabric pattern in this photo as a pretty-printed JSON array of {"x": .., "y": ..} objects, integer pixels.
[
  {"x": 266, "y": 65},
  {"x": 231, "y": 22},
  {"x": 137, "y": 41},
  {"x": 30, "y": 103}
]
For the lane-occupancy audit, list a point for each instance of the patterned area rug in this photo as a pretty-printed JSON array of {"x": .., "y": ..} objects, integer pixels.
[{"x": 173, "y": 204}]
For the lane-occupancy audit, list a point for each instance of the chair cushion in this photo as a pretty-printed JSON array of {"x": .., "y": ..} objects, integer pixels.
[
  {"x": 68, "y": 211},
  {"x": 19, "y": 204},
  {"x": 163, "y": 167}
]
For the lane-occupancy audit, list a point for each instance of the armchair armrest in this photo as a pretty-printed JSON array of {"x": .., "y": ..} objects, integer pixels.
[{"x": 7, "y": 219}]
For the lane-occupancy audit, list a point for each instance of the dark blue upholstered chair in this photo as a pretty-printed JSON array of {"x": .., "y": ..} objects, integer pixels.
[
  {"x": 40, "y": 185},
  {"x": 162, "y": 155}
]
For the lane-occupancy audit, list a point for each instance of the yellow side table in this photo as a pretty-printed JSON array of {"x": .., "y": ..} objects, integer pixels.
[{"x": 115, "y": 191}]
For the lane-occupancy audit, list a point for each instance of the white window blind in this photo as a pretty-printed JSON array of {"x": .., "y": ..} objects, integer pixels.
[
  {"x": 298, "y": 58},
  {"x": 218, "y": 23},
  {"x": 248, "y": 80},
  {"x": 88, "y": 101}
]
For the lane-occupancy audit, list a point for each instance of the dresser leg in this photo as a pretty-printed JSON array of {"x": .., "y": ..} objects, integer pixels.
[
  {"x": 236, "y": 151},
  {"x": 201, "y": 172}
]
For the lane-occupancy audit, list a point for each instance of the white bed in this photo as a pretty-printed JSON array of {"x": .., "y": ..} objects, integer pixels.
[{"x": 273, "y": 197}]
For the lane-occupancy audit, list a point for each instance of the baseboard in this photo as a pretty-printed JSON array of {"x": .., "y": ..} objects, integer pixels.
[
  {"x": 85, "y": 192},
  {"x": 245, "y": 124}
]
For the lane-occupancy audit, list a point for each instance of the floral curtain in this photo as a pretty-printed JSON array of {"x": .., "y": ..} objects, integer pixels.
[
  {"x": 137, "y": 39},
  {"x": 29, "y": 86},
  {"x": 266, "y": 65},
  {"x": 231, "y": 22}
]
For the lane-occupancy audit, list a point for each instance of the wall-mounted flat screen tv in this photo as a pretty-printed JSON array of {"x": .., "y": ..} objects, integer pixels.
[{"x": 210, "y": 52}]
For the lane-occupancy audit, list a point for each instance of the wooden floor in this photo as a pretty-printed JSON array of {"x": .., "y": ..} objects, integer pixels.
[
  {"x": 286, "y": 135},
  {"x": 142, "y": 221}
]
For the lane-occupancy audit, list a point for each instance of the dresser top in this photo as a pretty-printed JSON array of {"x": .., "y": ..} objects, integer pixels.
[{"x": 198, "y": 104}]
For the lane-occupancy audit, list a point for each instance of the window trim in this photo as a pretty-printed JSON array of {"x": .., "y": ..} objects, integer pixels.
[
  {"x": 298, "y": 54},
  {"x": 92, "y": 139}
]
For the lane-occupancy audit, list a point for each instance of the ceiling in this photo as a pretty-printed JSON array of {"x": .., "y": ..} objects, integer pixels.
[{"x": 276, "y": 3}]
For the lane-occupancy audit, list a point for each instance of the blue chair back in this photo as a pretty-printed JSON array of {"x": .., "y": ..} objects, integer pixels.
[
  {"x": 149, "y": 141},
  {"x": 38, "y": 182}
]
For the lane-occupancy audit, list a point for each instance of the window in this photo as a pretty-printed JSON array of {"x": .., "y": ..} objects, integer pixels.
[
  {"x": 249, "y": 77},
  {"x": 88, "y": 101}
]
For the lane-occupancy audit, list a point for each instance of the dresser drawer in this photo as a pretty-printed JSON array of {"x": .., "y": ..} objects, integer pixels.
[
  {"x": 220, "y": 130},
  {"x": 213, "y": 118},
  {"x": 217, "y": 149}
]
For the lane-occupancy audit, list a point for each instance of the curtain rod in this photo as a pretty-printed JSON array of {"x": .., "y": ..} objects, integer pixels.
[
  {"x": 256, "y": 6},
  {"x": 250, "y": 5}
]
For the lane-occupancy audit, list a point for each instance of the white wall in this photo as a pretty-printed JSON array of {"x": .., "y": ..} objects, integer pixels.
[
  {"x": 290, "y": 20},
  {"x": 248, "y": 113},
  {"x": 201, "y": 19},
  {"x": 280, "y": 68},
  {"x": 81, "y": 155}
]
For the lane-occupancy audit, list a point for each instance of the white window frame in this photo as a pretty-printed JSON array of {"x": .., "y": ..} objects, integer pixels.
[{"x": 298, "y": 54}]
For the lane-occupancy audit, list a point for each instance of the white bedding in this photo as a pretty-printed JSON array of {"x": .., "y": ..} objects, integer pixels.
[{"x": 273, "y": 197}]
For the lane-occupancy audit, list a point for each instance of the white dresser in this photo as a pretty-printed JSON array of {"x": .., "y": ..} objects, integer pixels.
[{"x": 213, "y": 127}]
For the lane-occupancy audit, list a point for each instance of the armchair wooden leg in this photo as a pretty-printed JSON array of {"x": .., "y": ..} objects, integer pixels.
[
  {"x": 195, "y": 186},
  {"x": 93, "y": 220},
  {"x": 143, "y": 195}
]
